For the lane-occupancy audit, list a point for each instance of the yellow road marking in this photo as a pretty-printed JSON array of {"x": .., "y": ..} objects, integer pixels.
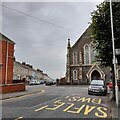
[
  {"x": 67, "y": 96},
  {"x": 103, "y": 115},
  {"x": 41, "y": 108},
  {"x": 57, "y": 101},
  {"x": 18, "y": 118},
  {"x": 25, "y": 95},
  {"x": 68, "y": 106},
  {"x": 57, "y": 106},
  {"x": 88, "y": 109},
  {"x": 31, "y": 94}
]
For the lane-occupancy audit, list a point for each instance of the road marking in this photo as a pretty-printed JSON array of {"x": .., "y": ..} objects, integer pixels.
[
  {"x": 41, "y": 108},
  {"x": 104, "y": 115},
  {"x": 17, "y": 97},
  {"x": 67, "y": 96},
  {"x": 88, "y": 109},
  {"x": 96, "y": 110},
  {"x": 45, "y": 102},
  {"x": 60, "y": 104},
  {"x": 18, "y": 118},
  {"x": 68, "y": 107}
]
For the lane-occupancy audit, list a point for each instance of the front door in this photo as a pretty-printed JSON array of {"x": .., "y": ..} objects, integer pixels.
[{"x": 95, "y": 75}]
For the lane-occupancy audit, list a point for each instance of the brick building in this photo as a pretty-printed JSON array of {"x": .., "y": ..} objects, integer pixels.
[{"x": 7, "y": 62}]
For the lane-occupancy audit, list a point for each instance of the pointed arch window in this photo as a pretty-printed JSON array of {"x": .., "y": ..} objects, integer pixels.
[
  {"x": 74, "y": 58},
  {"x": 86, "y": 54},
  {"x": 74, "y": 75},
  {"x": 92, "y": 54}
]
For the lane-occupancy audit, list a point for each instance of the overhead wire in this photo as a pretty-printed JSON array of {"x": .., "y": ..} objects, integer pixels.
[{"x": 34, "y": 17}]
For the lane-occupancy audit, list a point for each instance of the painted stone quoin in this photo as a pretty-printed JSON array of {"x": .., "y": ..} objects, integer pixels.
[{"x": 81, "y": 67}]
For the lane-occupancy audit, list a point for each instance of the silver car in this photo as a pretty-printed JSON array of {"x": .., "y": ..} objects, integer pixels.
[{"x": 97, "y": 87}]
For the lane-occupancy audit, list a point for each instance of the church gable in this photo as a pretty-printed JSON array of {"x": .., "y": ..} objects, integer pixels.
[
  {"x": 84, "y": 38},
  {"x": 82, "y": 50}
]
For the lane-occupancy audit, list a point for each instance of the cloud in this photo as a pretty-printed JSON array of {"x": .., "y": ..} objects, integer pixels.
[{"x": 43, "y": 44}]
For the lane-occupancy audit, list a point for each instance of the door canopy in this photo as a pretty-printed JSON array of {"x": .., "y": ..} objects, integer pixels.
[{"x": 95, "y": 73}]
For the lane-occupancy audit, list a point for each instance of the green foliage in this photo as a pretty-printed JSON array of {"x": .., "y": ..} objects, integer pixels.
[{"x": 101, "y": 31}]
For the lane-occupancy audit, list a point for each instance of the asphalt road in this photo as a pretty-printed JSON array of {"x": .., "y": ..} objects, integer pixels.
[{"x": 57, "y": 102}]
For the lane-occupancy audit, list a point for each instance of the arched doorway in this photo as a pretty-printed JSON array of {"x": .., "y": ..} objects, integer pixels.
[{"x": 95, "y": 75}]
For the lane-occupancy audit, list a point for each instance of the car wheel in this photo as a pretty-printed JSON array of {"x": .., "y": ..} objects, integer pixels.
[
  {"x": 105, "y": 93},
  {"x": 88, "y": 93}
]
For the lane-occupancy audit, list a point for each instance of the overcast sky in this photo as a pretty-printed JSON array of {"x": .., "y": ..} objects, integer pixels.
[{"x": 41, "y": 38}]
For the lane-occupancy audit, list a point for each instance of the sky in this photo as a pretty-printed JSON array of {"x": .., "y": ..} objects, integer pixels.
[{"x": 41, "y": 31}]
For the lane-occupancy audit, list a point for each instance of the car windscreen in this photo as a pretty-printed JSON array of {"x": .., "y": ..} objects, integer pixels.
[{"x": 97, "y": 82}]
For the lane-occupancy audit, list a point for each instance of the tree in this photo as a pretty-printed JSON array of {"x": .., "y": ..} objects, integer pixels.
[{"x": 101, "y": 33}]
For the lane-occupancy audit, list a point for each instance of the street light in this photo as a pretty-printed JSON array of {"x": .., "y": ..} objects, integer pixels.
[{"x": 114, "y": 57}]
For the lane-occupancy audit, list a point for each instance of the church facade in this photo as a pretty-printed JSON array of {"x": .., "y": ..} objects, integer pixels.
[{"x": 81, "y": 67}]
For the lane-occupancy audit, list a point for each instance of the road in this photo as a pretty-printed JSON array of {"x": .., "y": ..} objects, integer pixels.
[{"x": 57, "y": 102}]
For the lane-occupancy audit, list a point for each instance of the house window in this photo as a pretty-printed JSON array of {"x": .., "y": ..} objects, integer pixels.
[
  {"x": 86, "y": 54},
  {"x": 74, "y": 58},
  {"x": 74, "y": 75}
]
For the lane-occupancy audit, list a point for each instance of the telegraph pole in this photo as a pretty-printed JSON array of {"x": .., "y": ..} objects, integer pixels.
[{"x": 114, "y": 57}]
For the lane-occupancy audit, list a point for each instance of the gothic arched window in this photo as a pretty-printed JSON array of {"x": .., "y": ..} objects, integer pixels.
[
  {"x": 92, "y": 54},
  {"x": 74, "y": 58},
  {"x": 86, "y": 54},
  {"x": 75, "y": 75}
]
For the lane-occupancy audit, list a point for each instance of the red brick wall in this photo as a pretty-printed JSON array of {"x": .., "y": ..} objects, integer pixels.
[
  {"x": 3, "y": 48},
  {"x": 10, "y": 63},
  {"x": 0, "y": 61},
  {"x": 12, "y": 88}
]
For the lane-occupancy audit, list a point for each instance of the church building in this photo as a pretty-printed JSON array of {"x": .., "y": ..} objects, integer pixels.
[{"x": 81, "y": 67}]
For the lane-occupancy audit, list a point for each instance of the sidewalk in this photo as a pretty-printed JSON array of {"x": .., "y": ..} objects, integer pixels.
[
  {"x": 114, "y": 109},
  {"x": 29, "y": 90}
]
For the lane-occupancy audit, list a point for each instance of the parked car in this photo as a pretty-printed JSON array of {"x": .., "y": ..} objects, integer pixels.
[
  {"x": 50, "y": 82},
  {"x": 54, "y": 81},
  {"x": 42, "y": 82},
  {"x": 33, "y": 82},
  {"x": 97, "y": 87}
]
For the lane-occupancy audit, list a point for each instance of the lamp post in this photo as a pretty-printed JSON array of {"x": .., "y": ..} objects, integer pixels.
[{"x": 114, "y": 57}]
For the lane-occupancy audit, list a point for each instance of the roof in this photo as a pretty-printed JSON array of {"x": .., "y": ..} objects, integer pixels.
[
  {"x": 6, "y": 38},
  {"x": 85, "y": 34}
]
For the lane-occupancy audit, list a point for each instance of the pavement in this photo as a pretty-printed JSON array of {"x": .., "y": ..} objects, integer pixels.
[
  {"x": 114, "y": 109},
  {"x": 29, "y": 90}
]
